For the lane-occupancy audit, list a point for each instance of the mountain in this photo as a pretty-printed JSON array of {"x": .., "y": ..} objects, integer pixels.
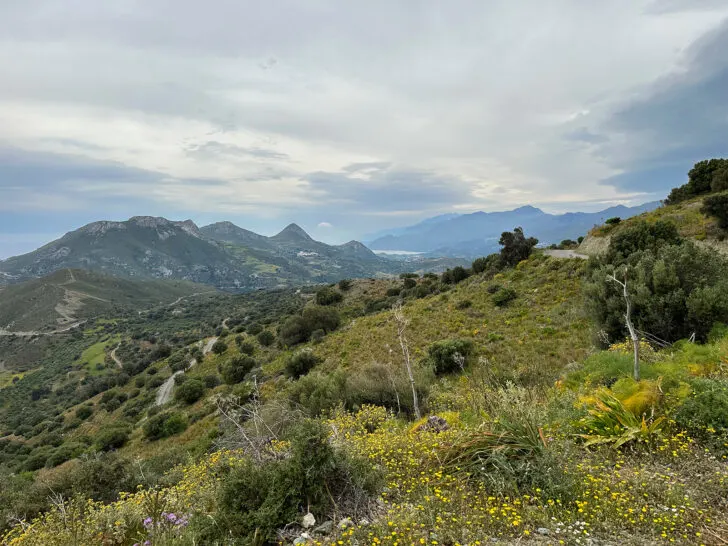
[
  {"x": 221, "y": 255},
  {"x": 478, "y": 233}
]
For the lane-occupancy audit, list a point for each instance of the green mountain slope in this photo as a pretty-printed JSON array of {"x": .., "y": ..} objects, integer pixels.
[{"x": 67, "y": 297}]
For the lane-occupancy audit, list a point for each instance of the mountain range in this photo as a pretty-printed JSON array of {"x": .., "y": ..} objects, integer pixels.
[
  {"x": 477, "y": 234},
  {"x": 222, "y": 255}
]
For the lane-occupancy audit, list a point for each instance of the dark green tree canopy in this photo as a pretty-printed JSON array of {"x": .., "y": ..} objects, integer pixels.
[{"x": 516, "y": 247}]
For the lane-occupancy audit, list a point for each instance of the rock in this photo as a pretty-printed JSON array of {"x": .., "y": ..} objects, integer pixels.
[
  {"x": 363, "y": 522},
  {"x": 434, "y": 423},
  {"x": 300, "y": 540},
  {"x": 346, "y": 523},
  {"x": 542, "y": 531},
  {"x": 309, "y": 520},
  {"x": 325, "y": 528}
]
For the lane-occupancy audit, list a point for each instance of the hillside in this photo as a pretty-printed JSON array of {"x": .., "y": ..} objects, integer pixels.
[
  {"x": 493, "y": 403},
  {"x": 64, "y": 299},
  {"x": 477, "y": 234},
  {"x": 686, "y": 215}
]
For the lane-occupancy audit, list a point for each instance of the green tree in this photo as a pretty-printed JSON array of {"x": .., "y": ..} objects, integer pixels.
[
  {"x": 516, "y": 247},
  {"x": 328, "y": 296},
  {"x": 301, "y": 363}
]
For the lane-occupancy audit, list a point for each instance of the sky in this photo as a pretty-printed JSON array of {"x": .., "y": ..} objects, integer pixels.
[{"x": 349, "y": 117}]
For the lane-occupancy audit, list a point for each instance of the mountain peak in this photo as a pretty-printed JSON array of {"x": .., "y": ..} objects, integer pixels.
[
  {"x": 529, "y": 208},
  {"x": 293, "y": 232}
]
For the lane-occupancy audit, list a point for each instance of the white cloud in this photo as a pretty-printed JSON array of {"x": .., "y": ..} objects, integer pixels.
[{"x": 325, "y": 225}]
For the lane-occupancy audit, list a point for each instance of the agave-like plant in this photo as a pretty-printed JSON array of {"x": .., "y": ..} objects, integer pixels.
[{"x": 610, "y": 422}]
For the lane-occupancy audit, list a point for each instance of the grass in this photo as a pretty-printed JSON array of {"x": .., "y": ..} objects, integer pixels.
[
  {"x": 94, "y": 357},
  {"x": 540, "y": 332}
]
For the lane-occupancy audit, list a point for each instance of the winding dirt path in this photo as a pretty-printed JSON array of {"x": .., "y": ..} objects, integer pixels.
[
  {"x": 115, "y": 358},
  {"x": 565, "y": 254},
  {"x": 164, "y": 394}
]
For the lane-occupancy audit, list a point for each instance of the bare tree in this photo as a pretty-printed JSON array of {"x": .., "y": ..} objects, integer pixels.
[
  {"x": 402, "y": 323},
  {"x": 628, "y": 321}
]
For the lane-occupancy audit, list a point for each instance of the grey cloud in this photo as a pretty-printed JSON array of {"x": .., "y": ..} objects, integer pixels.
[
  {"x": 680, "y": 119},
  {"x": 213, "y": 148},
  {"x": 585, "y": 135},
  {"x": 388, "y": 189}
]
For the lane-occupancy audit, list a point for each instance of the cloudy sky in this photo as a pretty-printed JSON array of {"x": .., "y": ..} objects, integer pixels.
[{"x": 349, "y": 117}]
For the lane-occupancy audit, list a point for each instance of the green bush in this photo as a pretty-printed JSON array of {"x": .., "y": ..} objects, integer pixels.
[
  {"x": 450, "y": 355},
  {"x": 266, "y": 338},
  {"x": 258, "y": 499},
  {"x": 84, "y": 412},
  {"x": 254, "y": 329},
  {"x": 112, "y": 438},
  {"x": 717, "y": 206},
  {"x": 700, "y": 180},
  {"x": 298, "y": 329},
  {"x": 504, "y": 296},
  {"x": 246, "y": 347},
  {"x": 165, "y": 424},
  {"x": 235, "y": 368},
  {"x": 706, "y": 409},
  {"x": 675, "y": 291},
  {"x": 301, "y": 363},
  {"x": 219, "y": 347},
  {"x": 211, "y": 381},
  {"x": 328, "y": 296},
  {"x": 640, "y": 237},
  {"x": 720, "y": 180},
  {"x": 318, "y": 392},
  {"x": 345, "y": 284},
  {"x": 190, "y": 391}
]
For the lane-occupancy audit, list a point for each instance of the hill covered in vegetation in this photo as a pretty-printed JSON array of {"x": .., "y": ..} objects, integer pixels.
[{"x": 496, "y": 403}]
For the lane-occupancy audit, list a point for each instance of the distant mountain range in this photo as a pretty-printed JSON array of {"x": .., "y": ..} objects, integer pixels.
[
  {"x": 477, "y": 234},
  {"x": 221, "y": 255}
]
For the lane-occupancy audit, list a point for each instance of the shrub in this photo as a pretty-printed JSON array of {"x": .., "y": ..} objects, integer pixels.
[
  {"x": 464, "y": 304},
  {"x": 409, "y": 283},
  {"x": 301, "y": 363},
  {"x": 450, "y": 355},
  {"x": 298, "y": 329},
  {"x": 345, "y": 284},
  {"x": 639, "y": 237},
  {"x": 165, "y": 424},
  {"x": 328, "y": 296},
  {"x": 720, "y": 180},
  {"x": 266, "y": 338},
  {"x": 84, "y": 412},
  {"x": 504, "y": 296},
  {"x": 211, "y": 381},
  {"x": 393, "y": 292},
  {"x": 246, "y": 347},
  {"x": 675, "y": 290},
  {"x": 219, "y": 347},
  {"x": 613, "y": 221},
  {"x": 318, "y": 392},
  {"x": 190, "y": 391},
  {"x": 235, "y": 368},
  {"x": 706, "y": 409},
  {"x": 254, "y": 329},
  {"x": 258, "y": 499},
  {"x": 112, "y": 438},
  {"x": 717, "y": 206}
]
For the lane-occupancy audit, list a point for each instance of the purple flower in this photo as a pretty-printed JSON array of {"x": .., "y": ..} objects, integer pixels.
[
  {"x": 147, "y": 522},
  {"x": 172, "y": 517},
  {"x": 147, "y": 543}
]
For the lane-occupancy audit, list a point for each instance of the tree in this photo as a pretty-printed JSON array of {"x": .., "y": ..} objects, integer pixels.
[
  {"x": 613, "y": 221},
  {"x": 266, "y": 338},
  {"x": 720, "y": 180},
  {"x": 516, "y": 247},
  {"x": 701, "y": 179},
  {"x": 402, "y": 323},
  {"x": 639, "y": 237},
  {"x": 628, "y": 321}
]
